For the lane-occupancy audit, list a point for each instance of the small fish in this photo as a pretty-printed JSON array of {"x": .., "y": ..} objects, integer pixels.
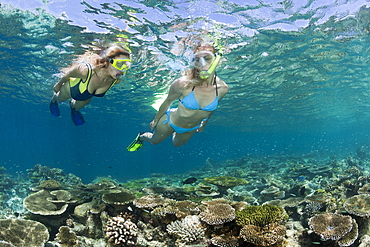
[
  {"x": 316, "y": 242},
  {"x": 300, "y": 178},
  {"x": 189, "y": 180}
]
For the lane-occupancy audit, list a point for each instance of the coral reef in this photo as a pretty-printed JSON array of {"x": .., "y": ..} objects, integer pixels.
[{"x": 309, "y": 200}]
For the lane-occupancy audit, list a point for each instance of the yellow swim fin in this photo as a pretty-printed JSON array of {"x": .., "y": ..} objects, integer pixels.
[{"x": 136, "y": 144}]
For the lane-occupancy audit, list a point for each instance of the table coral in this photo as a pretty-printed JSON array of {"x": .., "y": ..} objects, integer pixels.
[
  {"x": 23, "y": 233},
  {"x": 150, "y": 202},
  {"x": 331, "y": 226},
  {"x": 358, "y": 205},
  {"x": 224, "y": 241},
  {"x": 118, "y": 198},
  {"x": 349, "y": 238},
  {"x": 217, "y": 214},
  {"x": 260, "y": 215},
  {"x": 39, "y": 203}
]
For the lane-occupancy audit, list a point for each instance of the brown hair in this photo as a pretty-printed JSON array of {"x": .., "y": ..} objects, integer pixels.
[{"x": 112, "y": 51}]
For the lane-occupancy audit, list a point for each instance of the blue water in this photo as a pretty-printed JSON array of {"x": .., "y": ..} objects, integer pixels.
[{"x": 297, "y": 70}]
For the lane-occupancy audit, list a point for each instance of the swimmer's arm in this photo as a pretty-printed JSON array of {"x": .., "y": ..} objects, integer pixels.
[
  {"x": 76, "y": 72},
  {"x": 204, "y": 122},
  {"x": 174, "y": 92},
  {"x": 223, "y": 90}
]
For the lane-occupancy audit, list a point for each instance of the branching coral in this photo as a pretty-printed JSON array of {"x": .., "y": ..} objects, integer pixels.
[
  {"x": 121, "y": 231},
  {"x": 335, "y": 227},
  {"x": 188, "y": 230}
]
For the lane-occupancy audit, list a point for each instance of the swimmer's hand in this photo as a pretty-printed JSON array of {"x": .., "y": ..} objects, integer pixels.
[
  {"x": 57, "y": 87},
  {"x": 153, "y": 124}
]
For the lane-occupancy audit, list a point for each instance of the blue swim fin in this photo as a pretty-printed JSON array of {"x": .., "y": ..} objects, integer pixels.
[
  {"x": 54, "y": 109},
  {"x": 77, "y": 117}
]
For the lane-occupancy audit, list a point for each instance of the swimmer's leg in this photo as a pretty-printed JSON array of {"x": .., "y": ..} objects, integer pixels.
[{"x": 76, "y": 115}]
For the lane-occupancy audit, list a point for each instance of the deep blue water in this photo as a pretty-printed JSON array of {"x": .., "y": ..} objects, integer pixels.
[{"x": 298, "y": 77}]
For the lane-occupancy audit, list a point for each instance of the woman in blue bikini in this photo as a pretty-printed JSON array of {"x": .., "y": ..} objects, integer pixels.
[
  {"x": 198, "y": 91},
  {"x": 91, "y": 78}
]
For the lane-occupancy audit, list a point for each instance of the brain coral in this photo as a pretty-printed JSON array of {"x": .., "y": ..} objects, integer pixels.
[
  {"x": 260, "y": 215},
  {"x": 217, "y": 214},
  {"x": 23, "y": 233},
  {"x": 188, "y": 229},
  {"x": 263, "y": 236},
  {"x": 358, "y": 205},
  {"x": 331, "y": 226}
]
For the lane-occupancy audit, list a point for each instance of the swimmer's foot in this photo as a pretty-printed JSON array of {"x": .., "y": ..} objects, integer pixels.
[
  {"x": 136, "y": 144},
  {"x": 77, "y": 117},
  {"x": 54, "y": 109}
]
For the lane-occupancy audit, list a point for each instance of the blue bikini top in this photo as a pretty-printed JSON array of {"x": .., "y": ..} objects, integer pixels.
[{"x": 190, "y": 102}]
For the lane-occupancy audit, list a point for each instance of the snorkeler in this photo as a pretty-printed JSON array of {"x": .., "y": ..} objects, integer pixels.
[
  {"x": 93, "y": 77},
  {"x": 198, "y": 91}
]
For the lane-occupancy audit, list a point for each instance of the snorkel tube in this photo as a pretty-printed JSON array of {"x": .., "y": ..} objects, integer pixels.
[{"x": 204, "y": 74}]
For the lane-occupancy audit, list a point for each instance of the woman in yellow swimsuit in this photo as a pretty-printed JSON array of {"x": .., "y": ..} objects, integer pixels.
[{"x": 94, "y": 77}]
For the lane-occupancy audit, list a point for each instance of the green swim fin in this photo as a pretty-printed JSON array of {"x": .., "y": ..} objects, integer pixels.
[{"x": 136, "y": 144}]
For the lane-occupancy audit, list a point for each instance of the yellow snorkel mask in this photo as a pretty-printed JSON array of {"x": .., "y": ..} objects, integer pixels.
[
  {"x": 204, "y": 74},
  {"x": 204, "y": 59},
  {"x": 122, "y": 64}
]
